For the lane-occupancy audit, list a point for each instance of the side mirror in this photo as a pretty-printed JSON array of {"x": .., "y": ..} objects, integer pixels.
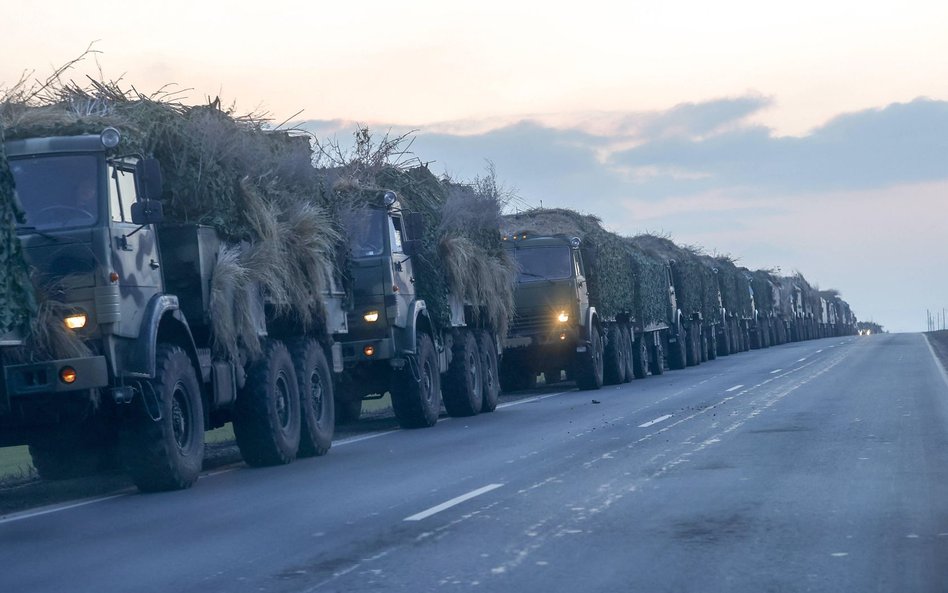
[
  {"x": 147, "y": 212},
  {"x": 414, "y": 225},
  {"x": 411, "y": 247},
  {"x": 148, "y": 179}
]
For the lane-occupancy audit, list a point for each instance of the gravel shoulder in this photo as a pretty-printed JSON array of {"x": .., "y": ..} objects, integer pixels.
[{"x": 939, "y": 343}]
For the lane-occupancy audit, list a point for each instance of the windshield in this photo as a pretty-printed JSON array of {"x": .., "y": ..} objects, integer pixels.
[
  {"x": 367, "y": 232},
  {"x": 543, "y": 263},
  {"x": 57, "y": 191}
]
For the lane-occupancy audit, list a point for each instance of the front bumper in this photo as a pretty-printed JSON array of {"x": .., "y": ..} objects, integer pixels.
[{"x": 44, "y": 377}]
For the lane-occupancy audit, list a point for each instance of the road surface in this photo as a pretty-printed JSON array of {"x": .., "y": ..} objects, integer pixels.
[{"x": 814, "y": 466}]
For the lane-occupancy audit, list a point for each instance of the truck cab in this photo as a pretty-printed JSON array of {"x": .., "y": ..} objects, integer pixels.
[
  {"x": 554, "y": 320},
  {"x": 98, "y": 269}
]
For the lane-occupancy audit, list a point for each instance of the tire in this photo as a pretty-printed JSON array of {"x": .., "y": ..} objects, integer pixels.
[
  {"x": 463, "y": 389},
  {"x": 614, "y": 356},
  {"x": 724, "y": 340},
  {"x": 317, "y": 401},
  {"x": 657, "y": 358},
  {"x": 677, "y": 354},
  {"x": 65, "y": 453},
  {"x": 692, "y": 356},
  {"x": 416, "y": 389},
  {"x": 703, "y": 348},
  {"x": 640, "y": 364},
  {"x": 712, "y": 348},
  {"x": 165, "y": 454},
  {"x": 630, "y": 344},
  {"x": 589, "y": 372},
  {"x": 488, "y": 347},
  {"x": 267, "y": 416}
]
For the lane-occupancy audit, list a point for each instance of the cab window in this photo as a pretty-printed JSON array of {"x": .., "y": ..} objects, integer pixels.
[
  {"x": 395, "y": 230},
  {"x": 122, "y": 193}
]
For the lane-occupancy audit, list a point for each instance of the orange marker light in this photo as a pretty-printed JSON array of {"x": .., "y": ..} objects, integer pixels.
[
  {"x": 67, "y": 375},
  {"x": 369, "y": 350}
]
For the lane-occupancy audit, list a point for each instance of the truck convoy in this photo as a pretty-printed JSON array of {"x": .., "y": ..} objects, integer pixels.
[{"x": 172, "y": 269}]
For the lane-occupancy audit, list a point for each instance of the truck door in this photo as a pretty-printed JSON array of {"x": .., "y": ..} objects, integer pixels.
[
  {"x": 582, "y": 291},
  {"x": 134, "y": 251},
  {"x": 402, "y": 274}
]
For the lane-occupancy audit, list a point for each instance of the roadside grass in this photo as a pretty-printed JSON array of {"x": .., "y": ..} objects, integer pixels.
[{"x": 15, "y": 462}]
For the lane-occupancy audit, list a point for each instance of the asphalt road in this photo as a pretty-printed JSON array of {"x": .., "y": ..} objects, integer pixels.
[{"x": 816, "y": 466}]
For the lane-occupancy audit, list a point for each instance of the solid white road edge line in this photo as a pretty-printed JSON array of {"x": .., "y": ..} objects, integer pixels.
[
  {"x": 944, "y": 374},
  {"x": 735, "y": 388},
  {"x": 528, "y": 400},
  {"x": 656, "y": 421},
  {"x": 57, "y": 508},
  {"x": 453, "y": 502}
]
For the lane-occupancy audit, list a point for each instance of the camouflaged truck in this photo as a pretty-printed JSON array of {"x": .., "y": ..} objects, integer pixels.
[
  {"x": 395, "y": 344},
  {"x": 137, "y": 292}
]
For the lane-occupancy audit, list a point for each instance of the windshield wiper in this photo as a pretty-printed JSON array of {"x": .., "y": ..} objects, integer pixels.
[
  {"x": 536, "y": 276},
  {"x": 33, "y": 229}
]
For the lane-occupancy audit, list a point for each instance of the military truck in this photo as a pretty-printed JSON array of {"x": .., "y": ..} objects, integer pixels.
[
  {"x": 144, "y": 299},
  {"x": 557, "y": 326},
  {"x": 588, "y": 303},
  {"x": 398, "y": 343},
  {"x": 691, "y": 338}
]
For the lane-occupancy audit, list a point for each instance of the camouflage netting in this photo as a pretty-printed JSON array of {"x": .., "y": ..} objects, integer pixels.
[
  {"x": 651, "y": 288},
  {"x": 461, "y": 250},
  {"x": 610, "y": 277},
  {"x": 734, "y": 286},
  {"x": 17, "y": 301},
  {"x": 257, "y": 188},
  {"x": 695, "y": 287},
  {"x": 763, "y": 291}
]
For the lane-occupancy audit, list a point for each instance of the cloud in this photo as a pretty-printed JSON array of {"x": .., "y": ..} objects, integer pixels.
[{"x": 902, "y": 143}]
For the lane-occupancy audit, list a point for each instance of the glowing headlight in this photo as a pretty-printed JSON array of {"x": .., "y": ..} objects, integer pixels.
[
  {"x": 563, "y": 317},
  {"x": 371, "y": 316},
  {"x": 77, "y": 321}
]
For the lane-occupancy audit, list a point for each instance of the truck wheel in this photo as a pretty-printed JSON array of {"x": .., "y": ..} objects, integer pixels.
[
  {"x": 628, "y": 337},
  {"x": 463, "y": 389},
  {"x": 65, "y": 453},
  {"x": 416, "y": 389},
  {"x": 614, "y": 356},
  {"x": 267, "y": 415},
  {"x": 165, "y": 454},
  {"x": 590, "y": 366},
  {"x": 491, "y": 382},
  {"x": 677, "y": 352},
  {"x": 640, "y": 358},
  {"x": 657, "y": 359},
  {"x": 317, "y": 409},
  {"x": 712, "y": 348},
  {"x": 691, "y": 351}
]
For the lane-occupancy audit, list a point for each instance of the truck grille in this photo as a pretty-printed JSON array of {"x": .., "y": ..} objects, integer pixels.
[{"x": 530, "y": 324}]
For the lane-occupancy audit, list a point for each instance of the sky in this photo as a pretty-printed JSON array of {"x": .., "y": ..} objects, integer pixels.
[{"x": 810, "y": 137}]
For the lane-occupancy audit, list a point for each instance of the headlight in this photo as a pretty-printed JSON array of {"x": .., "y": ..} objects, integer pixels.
[
  {"x": 563, "y": 317},
  {"x": 371, "y": 316},
  {"x": 76, "y": 321}
]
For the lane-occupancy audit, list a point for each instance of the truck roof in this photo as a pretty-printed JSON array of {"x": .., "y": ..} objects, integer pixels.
[
  {"x": 54, "y": 144},
  {"x": 526, "y": 239}
]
